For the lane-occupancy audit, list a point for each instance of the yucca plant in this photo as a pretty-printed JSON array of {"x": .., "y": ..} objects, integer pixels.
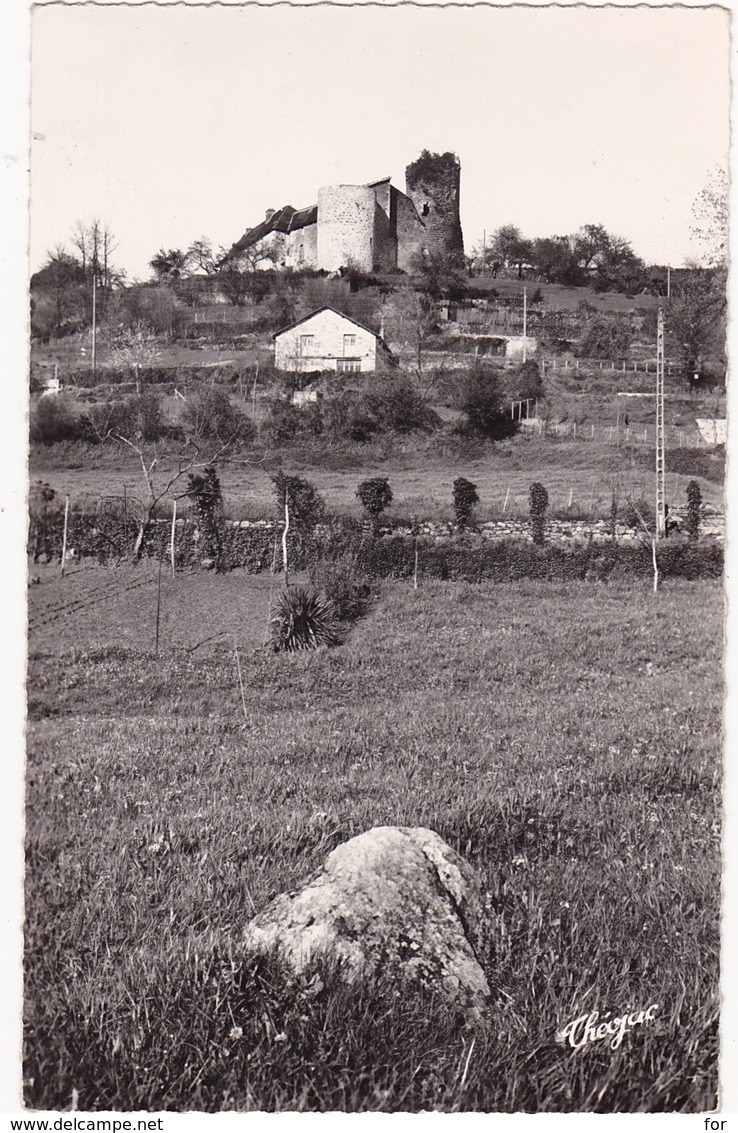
[{"x": 303, "y": 619}]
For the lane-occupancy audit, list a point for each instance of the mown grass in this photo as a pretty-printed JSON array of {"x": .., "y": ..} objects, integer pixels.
[{"x": 564, "y": 738}]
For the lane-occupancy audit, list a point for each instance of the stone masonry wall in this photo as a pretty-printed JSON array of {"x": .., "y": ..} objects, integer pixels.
[
  {"x": 435, "y": 192},
  {"x": 346, "y": 219},
  {"x": 411, "y": 234}
]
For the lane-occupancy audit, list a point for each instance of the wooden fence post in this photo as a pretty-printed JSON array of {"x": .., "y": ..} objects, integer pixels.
[
  {"x": 174, "y": 528},
  {"x": 64, "y": 537}
]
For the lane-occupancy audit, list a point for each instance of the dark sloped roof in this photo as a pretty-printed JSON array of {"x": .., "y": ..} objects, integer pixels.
[
  {"x": 286, "y": 219},
  {"x": 340, "y": 314}
]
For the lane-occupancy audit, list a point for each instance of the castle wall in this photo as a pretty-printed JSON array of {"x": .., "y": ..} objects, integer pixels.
[
  {"x": 346, "y": 227},
  {"x": 298, "y": 249},
  {"x": 303, "y": 247},
  {"x": 411, "y": 235},
  {"x": 385, "y": 241},
  {"x": 435, "y": 194}
]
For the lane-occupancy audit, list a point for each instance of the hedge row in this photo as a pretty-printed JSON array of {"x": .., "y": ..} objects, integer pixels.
[{"x": 111, "y": 536}]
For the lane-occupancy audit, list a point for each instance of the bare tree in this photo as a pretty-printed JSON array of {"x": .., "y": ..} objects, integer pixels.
[
  {"x": 159, "y": 485},
  {"x": 411, "y": 321}
]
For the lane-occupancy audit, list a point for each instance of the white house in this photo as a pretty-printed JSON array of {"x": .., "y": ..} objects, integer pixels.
[{"x": 328, "y": 340}]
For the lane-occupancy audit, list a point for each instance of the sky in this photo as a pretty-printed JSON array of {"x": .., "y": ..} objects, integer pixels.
[{"x": 173, "y": 123}]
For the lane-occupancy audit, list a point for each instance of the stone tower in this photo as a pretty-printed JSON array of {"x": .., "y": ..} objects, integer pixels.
[
  {"x": 346, "y": 217},
  {"x": 433, "y": 184}
]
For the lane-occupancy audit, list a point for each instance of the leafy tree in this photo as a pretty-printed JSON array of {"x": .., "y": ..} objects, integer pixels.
[
  {"x": 235, "y": 285},
  {"x": 170, "y": 265},
  {"x": 441, "y": 273},
  {"x": 524, "y": 381},
  {"x": 618, "y": 268},
  {"x": 57, "y": 295},
  {"x": 538, "y": 500},
  {"x": 375, "y": 495},
  {"x": 590, "y": 244},
  {"x": 306, "y": 506},
  {"x": 509, "y": 248},
  {"x": 465, "y": 498},
  {"x": 695, "y": 322},
  {"x": 62, "y": 291},
  {"x": 555, "y": 261}
]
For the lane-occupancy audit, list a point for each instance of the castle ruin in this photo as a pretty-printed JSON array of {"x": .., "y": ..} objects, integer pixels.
[{"x": 373, "y": 227}]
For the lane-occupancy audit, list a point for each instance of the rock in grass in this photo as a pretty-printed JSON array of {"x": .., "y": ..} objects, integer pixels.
[{"x": 396, "y": 901}]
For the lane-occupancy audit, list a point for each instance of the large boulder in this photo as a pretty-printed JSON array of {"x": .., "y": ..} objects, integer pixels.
[{"x": 395, "y": 900}]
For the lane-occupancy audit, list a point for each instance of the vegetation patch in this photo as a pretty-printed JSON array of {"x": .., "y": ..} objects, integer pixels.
[{"x": 170, "y": 798}]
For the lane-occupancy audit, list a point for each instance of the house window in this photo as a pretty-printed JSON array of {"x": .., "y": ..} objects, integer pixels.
[
  {"x": 301, "y": 254},
  {"x": 349, "y": 344},
  {"x": 348, "y": 365},
  {"x": 306, "y": 343}
]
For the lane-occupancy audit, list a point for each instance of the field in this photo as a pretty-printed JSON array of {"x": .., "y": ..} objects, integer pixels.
[
  {"x": 580, "y": 476},
  {"x": 565, "y": 738}
]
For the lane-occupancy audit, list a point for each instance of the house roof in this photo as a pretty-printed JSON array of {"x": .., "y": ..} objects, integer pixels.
[
  {"x": 286, "y": 219},
  {"x": 341, "y": 315}
]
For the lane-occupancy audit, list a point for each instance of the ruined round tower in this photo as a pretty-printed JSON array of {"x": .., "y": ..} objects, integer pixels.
[{"x": 433, "y": 184}]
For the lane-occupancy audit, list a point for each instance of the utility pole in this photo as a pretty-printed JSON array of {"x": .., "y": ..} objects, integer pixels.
[
  {"x": 525, "y": 324},
  {"x": 484, "y": 251},
  {"x": 668, "y": 282},
  {"x": 94, "y": 319},
  {"x": 660, "y": 466}
]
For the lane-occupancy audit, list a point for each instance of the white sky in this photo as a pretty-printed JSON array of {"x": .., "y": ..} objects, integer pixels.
[{"x": 172, "y": 123}]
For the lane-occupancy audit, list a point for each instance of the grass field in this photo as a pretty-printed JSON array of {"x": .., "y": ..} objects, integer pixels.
[
  {"x": 421, "y": 475},
  {"x": 564, "y": 738}
]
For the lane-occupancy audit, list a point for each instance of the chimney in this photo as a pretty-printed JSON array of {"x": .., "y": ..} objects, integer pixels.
[{"x": 269, "y": 214}]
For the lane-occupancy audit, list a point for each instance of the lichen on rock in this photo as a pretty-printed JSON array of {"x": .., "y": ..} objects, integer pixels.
[{"x": 396, "y": 901}]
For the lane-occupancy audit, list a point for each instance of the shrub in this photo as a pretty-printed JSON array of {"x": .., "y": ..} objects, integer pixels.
[
  {"x": 538, "y": 505},
  {"x": 210, "y": 413},
  {"x": 139, "y": 417},
  {"x": 398, "y": 406},
  {"x": 481, "y": 401},
  {"x": 375, "y": 495},
  {"x": 53, "y": 420},
  {"x": 207, "y": 500},
  {"x": 302, "y": 619},
  {"x": 465, "y": 497},
  {"x": 694, "y": 507},
  {"x": 604, "y": 337},
  {"x": 285, "y": 422},
  {"x": 353, "y": 416},
  {"x": 306, "y": 506}
]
